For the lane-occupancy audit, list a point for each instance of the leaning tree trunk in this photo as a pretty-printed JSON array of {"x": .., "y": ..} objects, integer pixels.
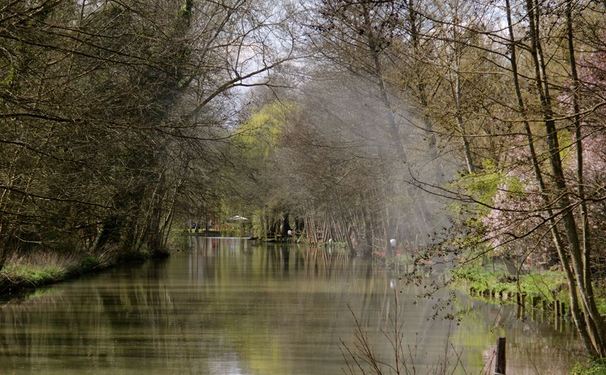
[{"x": 584, "y": 213}]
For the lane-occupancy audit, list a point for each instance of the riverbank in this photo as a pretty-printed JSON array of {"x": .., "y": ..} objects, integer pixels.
[
  {"x": 537, "y": 286},
  {"x": 25, "y": 273},
  {"x": 22, "y": 274},
  {"x": 549, "y": 286},
  {"x": 536, "y": 289}
]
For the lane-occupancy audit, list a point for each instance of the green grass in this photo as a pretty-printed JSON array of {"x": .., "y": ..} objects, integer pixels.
[
  {"x": 32, "y": 274},
  {"x": 41, "y": 268},
  {"x": 547, "y": 284}
]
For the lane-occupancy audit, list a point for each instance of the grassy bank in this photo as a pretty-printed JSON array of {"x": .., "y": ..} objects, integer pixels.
[
  {"x": 548, "y": 285},
  {"x": 24, "y": 273},
  {"x": 27, "y": 272}
]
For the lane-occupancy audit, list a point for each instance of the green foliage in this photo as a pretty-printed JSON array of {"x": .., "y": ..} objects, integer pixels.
[
  {"x": 89, "y": 263},
  {"x": 601, "y": 304},
  {"x": 484, "y": 185},
  {"x": 263, "y": 130},
  {"x": 600, "y": 295},
  {"x": 567, "y": 151},
  {"x": 178, "y": 239},
  {"x": 597, "y": 367},
  {"x": 257, "y": 225}
]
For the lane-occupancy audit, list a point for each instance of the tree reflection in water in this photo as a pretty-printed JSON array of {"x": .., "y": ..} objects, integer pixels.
[{"x": 230, "y": 307}]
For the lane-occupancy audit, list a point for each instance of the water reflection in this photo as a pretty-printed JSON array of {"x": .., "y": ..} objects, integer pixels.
[{"x": 229, "y": 307}]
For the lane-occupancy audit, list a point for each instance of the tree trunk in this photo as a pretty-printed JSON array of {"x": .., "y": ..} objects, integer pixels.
[
  {"x": 556, "y": 236},
  {"x": 594, "y": 322}
]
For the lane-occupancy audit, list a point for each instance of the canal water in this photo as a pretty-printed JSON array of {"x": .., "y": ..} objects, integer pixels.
[{"x": 229, "y": 307}]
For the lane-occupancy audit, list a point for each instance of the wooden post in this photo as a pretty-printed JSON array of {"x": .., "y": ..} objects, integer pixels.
[{"x": 499, "y": 368}]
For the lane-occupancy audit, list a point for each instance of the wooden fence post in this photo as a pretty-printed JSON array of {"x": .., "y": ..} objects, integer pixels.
[{"x": 499, "y": 368}]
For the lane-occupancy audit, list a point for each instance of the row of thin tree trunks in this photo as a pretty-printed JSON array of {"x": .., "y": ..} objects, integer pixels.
[
  {"x": 148, "y": 225},
  {"x": 364, "y": 230}
]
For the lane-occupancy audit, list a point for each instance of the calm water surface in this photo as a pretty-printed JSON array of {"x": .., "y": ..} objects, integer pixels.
[{"x": 227, "y": 307}]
